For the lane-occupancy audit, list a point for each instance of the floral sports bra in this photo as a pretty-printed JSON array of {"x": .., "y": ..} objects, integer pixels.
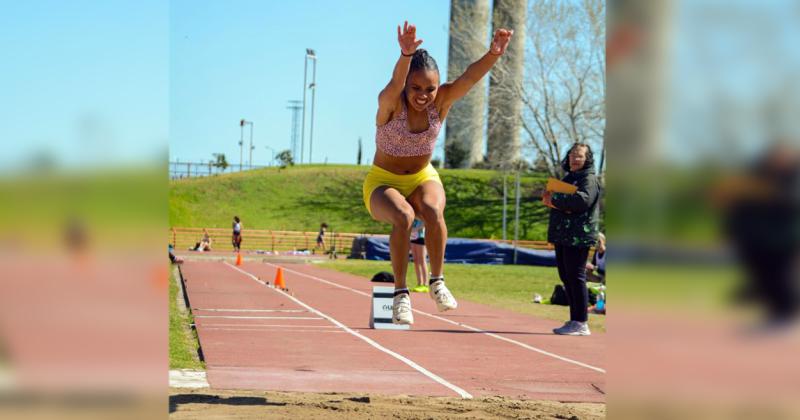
[{"x": 394, "y": 138}]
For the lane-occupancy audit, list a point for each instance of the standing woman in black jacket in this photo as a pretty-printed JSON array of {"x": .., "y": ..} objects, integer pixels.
[{"x": 573, "y": 230}]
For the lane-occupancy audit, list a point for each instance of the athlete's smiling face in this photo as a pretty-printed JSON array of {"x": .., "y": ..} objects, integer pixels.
[{"x": 421, "y": 88}]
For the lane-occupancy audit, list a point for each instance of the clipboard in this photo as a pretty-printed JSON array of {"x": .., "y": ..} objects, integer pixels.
[{"x": 555, "y": 185}]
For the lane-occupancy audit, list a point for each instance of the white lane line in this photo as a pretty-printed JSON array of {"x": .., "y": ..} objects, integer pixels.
[
  {"x": 204, "y": 325},
  {"x": 249, "y": 310},
  {"x": 267, "y": 330},
  {"x": 462, "y": 393},
  {"x": 523, "y": 345},
  {"x": 256, "y": 317},
  {"x": 469, "y": 327}
]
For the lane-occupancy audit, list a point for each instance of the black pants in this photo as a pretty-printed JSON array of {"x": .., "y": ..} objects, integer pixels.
[
  {"x": 772, "y": 277},
  {"x": 571, "y": 262}
]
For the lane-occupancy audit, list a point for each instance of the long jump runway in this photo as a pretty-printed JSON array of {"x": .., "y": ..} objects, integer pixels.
[{"x": 316, "y": 338}]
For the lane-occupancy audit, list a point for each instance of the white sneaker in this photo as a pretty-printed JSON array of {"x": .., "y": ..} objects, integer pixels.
[
  {"x": 401, "y": 310},
  {"x": 444, "y": 299},
  {"x": 575, "y": 328}
]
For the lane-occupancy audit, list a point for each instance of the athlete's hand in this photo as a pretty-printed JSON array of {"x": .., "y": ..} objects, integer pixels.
[
  {"x": 500, "y": 42},
  {"x": 407, "y": 38}
]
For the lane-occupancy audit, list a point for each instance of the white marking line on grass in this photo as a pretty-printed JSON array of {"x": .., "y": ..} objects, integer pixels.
[
  {"x": 462, "y": 393},
  {"x": 469, "y": 327},
  {"x": 256, "y": 317}
]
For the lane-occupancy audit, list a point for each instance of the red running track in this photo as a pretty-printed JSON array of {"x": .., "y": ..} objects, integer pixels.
[{"x": 317, "y": 338}]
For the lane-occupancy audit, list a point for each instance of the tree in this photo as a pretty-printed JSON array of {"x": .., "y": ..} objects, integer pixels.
[
  {"x": 464, "y": 130},
  {"x": 285, "y": 158},
  {"x": 563, "y": 93},
  {"x": 358, "y": 157},
  {"x": 220, "y": 161},
  {"x": 505, "y": 105}
]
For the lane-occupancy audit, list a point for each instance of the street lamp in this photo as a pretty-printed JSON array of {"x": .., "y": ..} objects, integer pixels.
[
  {"x": 313, "y": 87},
  {"x": 241, "y": 142},
  {"x": 242, "y": 123},
  {"x": 310, "y": 55},
  {"x": 251, "y": 144},
  {"x": 273, "y": 155}
]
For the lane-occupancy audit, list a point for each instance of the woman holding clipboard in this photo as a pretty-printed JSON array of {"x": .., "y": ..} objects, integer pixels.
[{"x": 573, "y": 230}]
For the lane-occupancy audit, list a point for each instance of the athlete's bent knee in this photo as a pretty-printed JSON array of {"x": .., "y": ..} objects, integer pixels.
[
  {"x": 403, "y": 218},
  {"x": 432, "y": 213}
]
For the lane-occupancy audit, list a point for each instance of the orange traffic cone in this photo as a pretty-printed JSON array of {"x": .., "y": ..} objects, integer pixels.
[
  {"x": 279, "y": 283},
  {"x": 238, "y": 258}
]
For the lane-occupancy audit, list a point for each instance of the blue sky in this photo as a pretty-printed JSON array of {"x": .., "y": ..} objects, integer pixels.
[
  {"x": 85, "y": 82},
  {"x": 734, "y": 78},
  {"x": 244, "y": 59},
  {"x": 103, "y": 83}
]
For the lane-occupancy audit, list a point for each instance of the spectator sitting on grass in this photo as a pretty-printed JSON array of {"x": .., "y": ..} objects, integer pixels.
[
  {"x": 172, "y": 257},
  {"x": 596, "y": 270},
  {"x": 205, "y": 243}
]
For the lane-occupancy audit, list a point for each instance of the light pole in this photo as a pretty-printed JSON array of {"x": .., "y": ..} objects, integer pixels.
[
  {"x": 273, "y": 154},
  {"x": 241, "y": 143},
  {"x": 295, "y": 107},
  {"x": 242, "y": 123},
  {"x": 251, "y": 145},
  {"x": 313, "y": 87},
  {"x": 309, "y": 55}
]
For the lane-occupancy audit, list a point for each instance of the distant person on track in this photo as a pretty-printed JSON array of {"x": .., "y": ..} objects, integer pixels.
[
  {"x": 573, "y": 230},
  {"x": 321, "y": 236},
  {"x": 419, "y": 255},
  {"x": 237, "y": 234},
  {"x": 402, "y": 184}
]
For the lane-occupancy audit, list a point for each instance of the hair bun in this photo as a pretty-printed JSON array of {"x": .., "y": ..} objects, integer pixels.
[{"x": 423, "y": 61}]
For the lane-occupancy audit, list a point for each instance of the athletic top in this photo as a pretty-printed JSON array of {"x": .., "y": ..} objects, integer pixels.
[
  {"x": 600, "y": 262},
  {"x": 394, "y": 138},
  {"x": 237, "y": 228},
  {"x": 417, "y": 229}
]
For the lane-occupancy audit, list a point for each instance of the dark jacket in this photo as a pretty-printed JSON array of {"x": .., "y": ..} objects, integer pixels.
[{"x": 575, "y": 222}]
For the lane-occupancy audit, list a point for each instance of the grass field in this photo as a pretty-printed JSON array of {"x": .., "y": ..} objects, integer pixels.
[
  {"x": 661, "y": 286},
  {"x": 503, "y": 286},
  {"x": 299, "y": 198},
  {"x": 182, "y": 340}
]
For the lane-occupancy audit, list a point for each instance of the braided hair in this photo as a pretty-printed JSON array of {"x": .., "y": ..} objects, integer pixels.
[{"x": 422, "y": 61}]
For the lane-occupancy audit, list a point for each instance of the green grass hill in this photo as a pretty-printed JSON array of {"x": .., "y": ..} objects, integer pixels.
[{"x": 301, "y": 197}]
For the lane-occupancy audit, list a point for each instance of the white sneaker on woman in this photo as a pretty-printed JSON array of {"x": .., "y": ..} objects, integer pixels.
[
  {"x": 442, "y": 296},
  {"x": 401, "y": 310}
]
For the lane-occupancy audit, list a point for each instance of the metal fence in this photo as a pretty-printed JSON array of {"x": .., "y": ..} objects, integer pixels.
[
  {"x": 278, "y": 241},
  {"x": 178, "y": 169}
]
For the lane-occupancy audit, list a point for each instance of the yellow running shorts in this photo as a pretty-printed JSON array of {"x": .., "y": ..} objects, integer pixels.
[{"x": 405, "y": 184}]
